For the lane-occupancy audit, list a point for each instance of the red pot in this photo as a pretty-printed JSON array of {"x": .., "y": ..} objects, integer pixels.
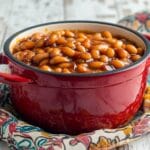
[{"x": 77, "y": 103}]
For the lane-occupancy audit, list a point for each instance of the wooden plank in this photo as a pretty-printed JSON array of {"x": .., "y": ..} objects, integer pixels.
[
  {"x": 101, "y": 10},
  {"x": 5, "y": 11},
  {"x": 128, "y": 7},
  {"x": 26, "y": 13}
]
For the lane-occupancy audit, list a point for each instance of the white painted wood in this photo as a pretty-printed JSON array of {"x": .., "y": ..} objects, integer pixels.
[
  {"x": 18, "y": 14},
  {"x": 27, "y": 13},
  {"x": 102, "y": 10}
]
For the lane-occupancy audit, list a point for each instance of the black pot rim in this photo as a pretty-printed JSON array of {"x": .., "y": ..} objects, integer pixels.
[{"x": 144, "y": 57}]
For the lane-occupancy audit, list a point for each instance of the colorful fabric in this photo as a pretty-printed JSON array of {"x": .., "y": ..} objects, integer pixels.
[{"x": 23, "y": 136}]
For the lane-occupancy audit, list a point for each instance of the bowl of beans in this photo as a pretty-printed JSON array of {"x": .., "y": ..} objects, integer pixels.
[{"x": 76, "y": 76}]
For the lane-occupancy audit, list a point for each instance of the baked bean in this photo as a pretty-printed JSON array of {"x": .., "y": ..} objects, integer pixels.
[
  {"x": 104, "y": 58},
  {"x": 110, "y": 52},
  {"x": 61, "y": 40},
  {"x": 96, "y": 64},
  {"x": 49, "y": 49},
  {"x": 101, "y": 47},
  {"x": 27, "y": 45},
  {"x": 107, "y": 34},
  {"x": 118, "y": 44},
  {"x": 24, "y": 56},
  {"x": 87, "y": 44},
  {"x": 131, "y": 49},
  {"x": 80, "y": 48},
  {"x": 53, "y": 38},
  {"x": 58, "y": 69},
  {"x": 69, "y": 33},
  {"x": 122, "y": 53},
  {"x": 39, "y": 57},
  {"x": 135, "y": 57},
  {"x": 85, "y": 56},
  {"x": 55, "y": 52},
  {"x": 80, "y": 39},
  {"x": 117, "y": 63},
  {"x": 44, "y": 62},
  {"x": 82, "y": 35},
  {"x": 65, "y": 65},
  {"x": 82, "y": 68},
  {"x": 45, "y": 68},
  {"x": 70, "y": 44},
  {"x": 58, "y": 60},
  {"x": 39, "y": 43},
  {"x": 39, "y": 51},
  {"x": 140, "y": 51},
  {"x": 68, "y": 51},
  {"x": 36, "y": 36},
  {"x": 95, "y": 53},
  {"x": 66, "y": 70},
  {"x": 97, "y": 36}
]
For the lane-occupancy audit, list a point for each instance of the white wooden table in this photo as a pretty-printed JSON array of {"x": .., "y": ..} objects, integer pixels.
[{"x": 18, "y": 14}]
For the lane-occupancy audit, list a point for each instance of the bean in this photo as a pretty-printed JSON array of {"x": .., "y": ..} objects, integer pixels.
[
  {"x": 27, "y": 45},
  {"x": 110, "y": 52},
  {"x": 135, "y": 57},
  {"x": 81, "y": 35},
  {"x": 39, "y": 51},
  {"x": 58, "y": 69},
  {"x": 100, "y": 47},
  {"x": 49, "y": 49},
  {"x": 66, "y": 70},
  {"x": 82, "y": 68},
  {"x": 61, "y": 40},
  {"x": 80, "y": 48},
  {"x": 39, "y": 43},
  {"x": 39, "y": 57},
  {"x": 80, "y": 39},
  {"x": 55, "y": 52},
  {"x": 104, "y": 58},
  {"x": 70, "y": 44},
  {"x": 44, "y": 62},
  {"x": 69, "y": 33},
  {"x": 87, "y": 44},
  {"x": 107, "y": 34},
  {"x": 140, "y": 51},
  {"x": 68, "y": 51},
  {"x": 66, "y": 65},
  {"x": 36, "y": 36},
  {"x": 111, "y": 40},
  {"x": 131, "y": 49},
  {"x": 117, "y": 63},
  {"x": 58, "y": 60},
  {"x": 85, "y": 56},
  {"x": 97, "y": 36},
  {"x": 118, "y": 44},
  {"x": 122, "y": 53},
  {"x": 95, "y": 53},
  {"x": 96, "y": 64},
  {"x": 53, "y": 38},
  {"x": 45, "y": 68}
]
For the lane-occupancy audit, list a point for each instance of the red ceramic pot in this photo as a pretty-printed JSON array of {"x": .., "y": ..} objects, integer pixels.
[{"x": 76, "y": 103}]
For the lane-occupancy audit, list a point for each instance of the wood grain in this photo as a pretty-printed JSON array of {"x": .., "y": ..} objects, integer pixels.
[{"x": 18, "y": 14}]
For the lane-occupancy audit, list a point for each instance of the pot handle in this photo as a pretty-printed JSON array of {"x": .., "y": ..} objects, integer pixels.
[{"x": 9, "y": 78}]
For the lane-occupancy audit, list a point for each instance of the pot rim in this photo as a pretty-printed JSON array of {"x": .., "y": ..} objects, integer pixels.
[{"x": 135, "y": 64}]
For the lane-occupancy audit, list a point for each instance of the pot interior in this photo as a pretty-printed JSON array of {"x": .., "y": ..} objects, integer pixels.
[{"x": 86, "y": 26}]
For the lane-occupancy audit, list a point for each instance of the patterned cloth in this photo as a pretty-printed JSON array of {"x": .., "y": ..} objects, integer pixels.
[{"x": 23, "y": 136}]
